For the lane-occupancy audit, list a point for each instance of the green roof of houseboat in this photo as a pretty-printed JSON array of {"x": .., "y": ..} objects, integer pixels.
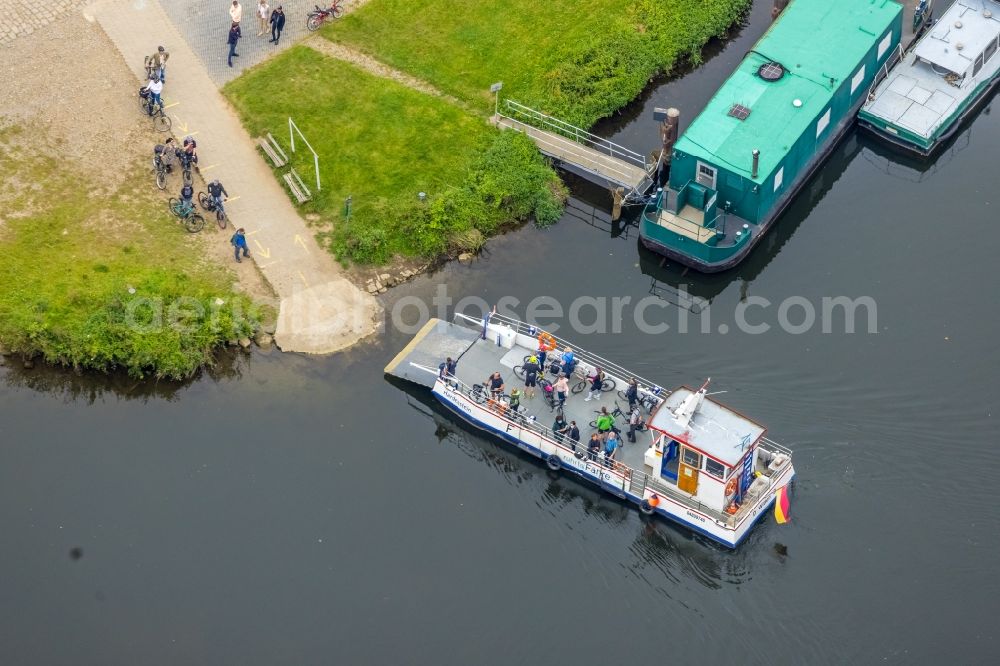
[{"x": 815, "y": 41}]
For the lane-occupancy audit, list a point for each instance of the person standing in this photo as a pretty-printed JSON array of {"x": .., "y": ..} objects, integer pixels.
[
  {"x": 239, "y": 242},
  {"x": 277, "y": 24},
  {"x": 593, "y": 447},
  {"x": 596, "y": 382},
  {"x": 155, "y": 87},
  {"x": 574, "y": 435},
  {"x": 236, "y": 12},
  {"x": 559, "y": 427},
  {"x": 632, "y": 393},
  {"x": 262, "y": 12},
  {"x": 530, "y": 376},
  {"x": 604, "y": 423},
  {"x": 160, "y": 62},
  {"x": 234, "y": 37},
  {"x": 610, "y": 447},
  {"x": 634, "y": 423},
  {"x": 562, "y": 388}
]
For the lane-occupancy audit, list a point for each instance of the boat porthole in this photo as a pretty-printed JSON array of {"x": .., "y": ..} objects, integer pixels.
[{"x": 553, "y": 462}]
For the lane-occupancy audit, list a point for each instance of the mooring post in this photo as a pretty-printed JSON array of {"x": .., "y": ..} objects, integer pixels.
[
  {"x": 779, "y": 6},
  {"x": 668, "y": 132}
]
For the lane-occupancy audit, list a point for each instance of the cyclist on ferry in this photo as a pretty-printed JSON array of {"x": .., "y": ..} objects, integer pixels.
[
  {"x": 495, "y": 385},
  {"x": 568, "y": 361},
  {"x": 217, "y": 191}
]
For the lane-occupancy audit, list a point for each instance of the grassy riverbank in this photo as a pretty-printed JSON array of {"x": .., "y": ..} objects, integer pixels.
[
  {"x": 579, "y": 60},
  {"x": 382, "y": 143},
  {"x": 99, "y": 276}
]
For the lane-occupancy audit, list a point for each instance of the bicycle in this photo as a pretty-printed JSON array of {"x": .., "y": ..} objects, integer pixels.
[
  {"x": 607, "y": 385},
  {"x": 615, "y": 413},
  {"x": 187, "y": 214},
  {"x": 161, "y": 121},
  {"x": 162, "y": 166},
  {"x": 208, "y": 204},
  {"x": 647, "y": 399},
  {"x": 186, "y": 162},
  {"x": 319, "y": 16}
]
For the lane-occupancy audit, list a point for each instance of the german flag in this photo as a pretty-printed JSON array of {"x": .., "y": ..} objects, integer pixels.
[{"x": 781, "y": 505}]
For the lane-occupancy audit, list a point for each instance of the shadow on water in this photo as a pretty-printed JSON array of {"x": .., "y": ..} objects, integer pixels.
[
  {"x": 675, "y": 552},
  {"x": 89, "y": 387}
]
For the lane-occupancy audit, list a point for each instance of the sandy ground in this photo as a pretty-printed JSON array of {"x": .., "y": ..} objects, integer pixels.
[{"x": 88, "y": 108}]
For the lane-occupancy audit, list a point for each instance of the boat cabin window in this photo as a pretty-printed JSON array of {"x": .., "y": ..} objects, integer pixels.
[
  {"x": 883, "y": 46},
  {"x": 979, "y": 64},
  {"x": 822, "y": 123},
  {"x": 691, "y": 458},
  {"x": 779, "y": 177},
  {"x": 716, "y": 469},
  {"x": 991, "y": 48},
  {"x": 858, "y": 79},
  {"x": 706, "y": 175}
]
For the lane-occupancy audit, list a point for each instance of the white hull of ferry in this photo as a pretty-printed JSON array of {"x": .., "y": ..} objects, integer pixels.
[{"x": 616, "y": 482}]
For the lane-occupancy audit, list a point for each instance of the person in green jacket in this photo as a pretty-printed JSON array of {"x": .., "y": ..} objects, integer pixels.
[{"x": 604, "y": 423}]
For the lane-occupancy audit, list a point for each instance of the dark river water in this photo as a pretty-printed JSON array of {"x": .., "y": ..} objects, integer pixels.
[{"x": 293, "y": 510}]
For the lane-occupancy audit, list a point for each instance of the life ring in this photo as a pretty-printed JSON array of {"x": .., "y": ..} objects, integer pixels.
[
  {"x": 554, "y": 463},
  {"x": 546, "y": 341},
  {"x": 646, "y": 507},
  {"x": 731, "y": 487}
]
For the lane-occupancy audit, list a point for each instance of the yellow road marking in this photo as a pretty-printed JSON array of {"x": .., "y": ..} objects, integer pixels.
[
  {"x": 266, "y": 253},
  {"x": 171, "y": 105},
  {"x": 270, "y": 263},
  {"x": 303, "y": 279},
  {"x": 299, "y": 241},
  {"x": 210, "y": 166}
]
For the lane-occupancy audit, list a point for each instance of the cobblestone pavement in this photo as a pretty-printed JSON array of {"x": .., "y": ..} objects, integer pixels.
[
  {"x": 23, "y": 17},
  {"x": 204, "y": 24}
]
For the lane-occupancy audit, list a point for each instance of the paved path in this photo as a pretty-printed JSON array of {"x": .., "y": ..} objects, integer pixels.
[
  {"x": 23, "y": 17},
  {"x": 320, "y": 310}
]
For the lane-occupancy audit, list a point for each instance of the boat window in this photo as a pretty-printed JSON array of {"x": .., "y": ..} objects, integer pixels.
[
  {"x": 779, "y": 177},
  {"x": 858, "y": 79},
  {"x": 691, "y": 458},
  {"x": 979, "y": 64},
  {"x": 823, "y": 121},
  {"x": 883, "y": 46},
  {"x": 706, "y": 175},
  {"x": 990, "y": 50},
  {"x": 716, "y": 469}
]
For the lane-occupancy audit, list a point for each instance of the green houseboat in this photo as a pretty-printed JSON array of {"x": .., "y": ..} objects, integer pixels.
[{"x": 768, "y": 128}]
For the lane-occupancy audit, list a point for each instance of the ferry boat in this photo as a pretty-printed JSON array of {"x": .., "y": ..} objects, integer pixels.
[
  {"x": 919, "y": 103},
  {"x": 767, "y": 129},
  {"x": 699, "y": 463}
]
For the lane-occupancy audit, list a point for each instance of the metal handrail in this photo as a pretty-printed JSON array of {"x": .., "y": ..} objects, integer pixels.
[
  {"x": 579, "y": 134},
  {"x": 627, "y": 473},
  {"x": 883, "y": 71},
  {"x": 646, "y": 386}
]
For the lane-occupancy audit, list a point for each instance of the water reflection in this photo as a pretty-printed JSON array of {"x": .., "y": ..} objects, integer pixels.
[
  {"x": 674, "y": 553},
  {"x": 89, "y": 387}
]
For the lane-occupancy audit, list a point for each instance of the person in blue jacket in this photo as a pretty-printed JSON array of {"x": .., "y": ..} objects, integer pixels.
[{"x": 239, "y": 241}]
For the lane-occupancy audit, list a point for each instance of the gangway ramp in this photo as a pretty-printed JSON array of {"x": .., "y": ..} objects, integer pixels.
[
  {"x": 577, "y": 150},
  {"x": 432, "y": 344}
]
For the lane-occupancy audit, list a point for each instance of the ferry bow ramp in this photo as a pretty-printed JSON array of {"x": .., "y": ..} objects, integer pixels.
[{"x": 432, "y": 344}]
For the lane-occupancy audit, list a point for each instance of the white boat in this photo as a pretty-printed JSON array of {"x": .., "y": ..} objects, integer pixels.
[
  {"x": 919, "y": 102},
  {"x": 699, "y": 463}
]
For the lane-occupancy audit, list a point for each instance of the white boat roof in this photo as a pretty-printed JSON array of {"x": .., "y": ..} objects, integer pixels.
[
  {"x": 715, "y": 429},
  {"x": 960, "y": 35}
]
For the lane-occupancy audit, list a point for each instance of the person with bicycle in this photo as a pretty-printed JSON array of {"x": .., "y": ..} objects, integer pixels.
[
  {"x": 562, "y": 388},
  {"x": 632, "y": 393},
  {"x": 634, "y": 423},
  {"x": 154, "y": 87},
  {"x": 158, "y": 63},
  {"x": 187, "y": 197},
  {"x": 217, "y": 191},
  {"x": 568, "y": 361},
  {"x": 605, "y": 423},
  {"x": 495, "y": 385},
  {"x": 163, "y": 153},
  {"x": 596, "y": 382},
  {"x": 530, "y": 376}
]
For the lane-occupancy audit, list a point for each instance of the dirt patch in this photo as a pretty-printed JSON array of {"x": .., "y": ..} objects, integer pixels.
[{"x": 87, "y": 118}]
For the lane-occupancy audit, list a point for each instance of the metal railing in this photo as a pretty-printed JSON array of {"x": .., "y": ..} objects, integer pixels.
[
  {"x": 587, "y": 361},
  {"x": 883, "y": 71},
  {"x": 631, "y": 479},
  {"x": 541, "y": 120}
]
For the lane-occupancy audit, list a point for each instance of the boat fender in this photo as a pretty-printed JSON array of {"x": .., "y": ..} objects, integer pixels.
[
  {"x": 646, "y": 507},
  {"x": 731, "y": 487},
  {"x": 553, "y": 462}
]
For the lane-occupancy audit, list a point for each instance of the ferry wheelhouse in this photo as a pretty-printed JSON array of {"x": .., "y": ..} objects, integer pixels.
[
  {"x": 700, "y": 463},
  {"x": 767, "y": 129},
  {"x": 921, "y": 102}
]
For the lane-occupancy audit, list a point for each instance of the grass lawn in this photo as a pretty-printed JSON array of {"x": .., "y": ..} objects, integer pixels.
[
  {"x": 72, "y": 256},
  {"x": 577, "y": 59},
  {"x": 382, "y": 143}
]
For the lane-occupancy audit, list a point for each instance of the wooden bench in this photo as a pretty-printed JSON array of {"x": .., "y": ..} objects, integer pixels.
[
  {"x": 273, "y": 151},
  {"x": 298, "y": 188}
]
